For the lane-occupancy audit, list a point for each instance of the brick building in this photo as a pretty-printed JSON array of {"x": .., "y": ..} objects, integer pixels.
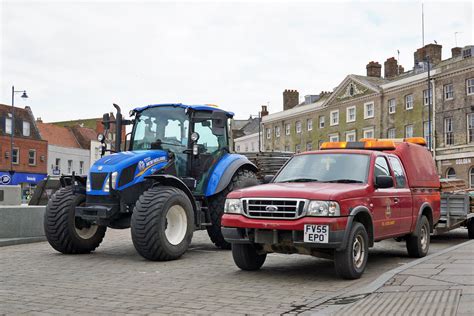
[
  {"x": 392, "y": 106},
  {"x": 28, "y": 166}
]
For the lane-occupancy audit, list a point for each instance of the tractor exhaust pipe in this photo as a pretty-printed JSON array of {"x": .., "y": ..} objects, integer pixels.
[{"x": 118, "y": 128}]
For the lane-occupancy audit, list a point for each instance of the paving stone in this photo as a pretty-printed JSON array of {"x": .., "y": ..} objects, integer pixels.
[
  {"x": 416, "y": 271},
  {"x": 416, "y": 280},
  {"x": 394, "y": 288}
]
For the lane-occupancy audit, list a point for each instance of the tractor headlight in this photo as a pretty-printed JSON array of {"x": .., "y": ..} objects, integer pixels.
[
  {"x": 88, "y": 184},
  {"x": 114, "y": 177},
  {"x": 323, "y": 208},
  {"x": 233, "y": 206},
  {"x": 107, "y": 185}
]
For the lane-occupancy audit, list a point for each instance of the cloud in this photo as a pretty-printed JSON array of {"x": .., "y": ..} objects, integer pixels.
[{"x": 76, "y": 58}]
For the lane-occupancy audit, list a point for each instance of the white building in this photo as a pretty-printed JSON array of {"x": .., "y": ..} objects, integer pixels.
[{"x": 247, "y": 143}]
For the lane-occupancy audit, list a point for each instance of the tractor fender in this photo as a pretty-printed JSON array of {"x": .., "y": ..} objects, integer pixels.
[
  {"x": 170, "y": 180},
  {"x": 224, "y": 170}
]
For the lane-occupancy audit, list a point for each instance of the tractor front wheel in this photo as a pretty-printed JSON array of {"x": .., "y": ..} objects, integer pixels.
[
  {"x": 242, "y": 179},
  {"x": 162, "y": 223},
  {"x": 64, "y": 231}
]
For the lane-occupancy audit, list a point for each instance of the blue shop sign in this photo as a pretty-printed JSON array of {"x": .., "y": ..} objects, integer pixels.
[{"x": 21, "y": 177}]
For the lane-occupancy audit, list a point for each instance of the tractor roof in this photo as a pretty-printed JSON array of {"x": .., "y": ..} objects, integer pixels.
[{"x": 196, "y": 107}]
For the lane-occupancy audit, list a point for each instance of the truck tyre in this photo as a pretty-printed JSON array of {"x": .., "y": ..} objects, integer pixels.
[
  {"x": 350, "y": 263},
  {"x": 246, "y": 257},
  {"x": 64, "y": 231},
  {"x": 470, "y": 228},
  {"x": 241, "y": 179},
  {"x": 162, "y": 223},
  {"x": 419, "y": 243}
]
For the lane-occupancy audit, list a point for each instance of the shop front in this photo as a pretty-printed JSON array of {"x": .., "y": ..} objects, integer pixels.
[{"x": 27, "y": 181}]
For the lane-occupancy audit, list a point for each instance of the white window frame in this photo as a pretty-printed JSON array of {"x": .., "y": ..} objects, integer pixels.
[
  {"x": 470, "y": 174},
  {"x": 425, "y": 96},
  {"x": 406, "y": 130},
  {"x": 334, "y": 137},
  {"x": 26, "y": 131},
  {"x": 369, "y": 130},
  {"x": 297, "y": 148},
  {"x": 470, "y": 86},
  {"x": 448, "y": 133},
  {"x": 470, "y": 128},
  {"x": 309, "y": 124},
  {"x": 322, "y": 122},
  {"x": 309, "y": 146},
  {"x": 277, "y": 131},
  {"x": 409, "y": 104},
  {"x": 392, "y": 105},
  {"x": 336, "y": 121},
  {"x": 389, "y": 131},
  {"x": 348, "y": 114},
  {"x": 366, "y": 114},
  {"x": 17, "y": 161},
  {"x": 8, "y": 125},
  {"x": 298, "y": 127},
  {"x": 70, "y": 164},
  {"x": 448, "y": 91},
  {"x": 453, "y": 176},
  {"x": 34, "y": 157},
  {"x": 269, "y": 133},
  {"x": 287, "y": 129},
  {"x": 351, "y": 133}
]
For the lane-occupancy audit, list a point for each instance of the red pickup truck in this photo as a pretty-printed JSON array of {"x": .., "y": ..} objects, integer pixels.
[{"x": 336, "y": 202}]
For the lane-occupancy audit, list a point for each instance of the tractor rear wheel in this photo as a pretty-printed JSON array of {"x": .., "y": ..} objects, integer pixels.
[
  {"x": 162, "y": 223},
  {"x": 241, "y": 179},
  {"x": 64, "y": 231}
]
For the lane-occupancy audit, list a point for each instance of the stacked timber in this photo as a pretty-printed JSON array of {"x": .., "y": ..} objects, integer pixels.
[
  {"x": 452, "y": 185},
  {"x": 268, "y": 163}
]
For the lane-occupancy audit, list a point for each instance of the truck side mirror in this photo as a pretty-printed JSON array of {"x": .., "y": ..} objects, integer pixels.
[
  {"x": 106, "y": 120},
  {"x": 268, "y": 178},
  {"x": 384, "y": 182}
]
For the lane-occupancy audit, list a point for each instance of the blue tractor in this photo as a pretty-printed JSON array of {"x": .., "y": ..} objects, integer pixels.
[{"x": 171, "y": 180}]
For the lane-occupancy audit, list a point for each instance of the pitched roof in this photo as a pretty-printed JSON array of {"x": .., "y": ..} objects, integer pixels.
[
  {"x": 84, "y": 135},
  {"x": 58, "y": 135},
  {"x": 21, "y": 115}
]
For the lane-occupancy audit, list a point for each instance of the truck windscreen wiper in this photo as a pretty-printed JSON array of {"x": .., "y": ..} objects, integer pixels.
[
  {"x": 300, "y": 180},
  {"x": 344, "y": 181}
]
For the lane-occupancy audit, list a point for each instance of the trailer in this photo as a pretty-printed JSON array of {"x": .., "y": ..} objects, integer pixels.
[{"x": 457, "y": 210}]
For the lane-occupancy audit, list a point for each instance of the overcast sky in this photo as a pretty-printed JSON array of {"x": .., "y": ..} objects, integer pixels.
[{"x": 77, "y": 58}]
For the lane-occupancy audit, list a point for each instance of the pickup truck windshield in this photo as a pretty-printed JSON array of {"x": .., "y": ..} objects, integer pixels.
[{"x": 341, "y": 168}]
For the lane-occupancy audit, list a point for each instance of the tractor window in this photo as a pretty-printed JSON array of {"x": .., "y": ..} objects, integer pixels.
[{"x": 208, "y": 142}]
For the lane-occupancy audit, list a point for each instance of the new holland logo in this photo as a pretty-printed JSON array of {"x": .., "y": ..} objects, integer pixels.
[
  {"x": 271, "y": 208},
  {"x": 141, "y": 165}
]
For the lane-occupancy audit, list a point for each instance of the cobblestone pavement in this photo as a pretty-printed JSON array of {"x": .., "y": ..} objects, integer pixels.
[{"x": 115, "y": 279}]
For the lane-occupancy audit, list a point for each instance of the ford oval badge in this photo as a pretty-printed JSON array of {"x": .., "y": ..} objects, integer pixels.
[{"x": 271, "y": 208}]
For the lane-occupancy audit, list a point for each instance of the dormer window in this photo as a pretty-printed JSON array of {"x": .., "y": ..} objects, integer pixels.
[{"x": 26, "y": 128}]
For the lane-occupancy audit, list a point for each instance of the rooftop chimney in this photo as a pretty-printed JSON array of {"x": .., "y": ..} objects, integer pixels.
[
  {"x": 39, "y": 120},
  {"x": 433, "y": 51},
  {"x": 374, "y": 69},
  {"x": 291, "y": 98},
  {"x": 456, "y": 52},
  {"x": 390, "y": 68},
  {"x": 264, "y": 111}
]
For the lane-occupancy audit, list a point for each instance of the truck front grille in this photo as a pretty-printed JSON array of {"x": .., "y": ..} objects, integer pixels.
[
  {"x": 274, "y": 208},
  {"x": 97, "y": 180}
]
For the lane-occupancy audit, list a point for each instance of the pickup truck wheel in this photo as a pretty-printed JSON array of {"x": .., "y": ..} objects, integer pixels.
[
  {"x": 419, "y": 245},
  {"x": 246, "y": 257},
  {"x": 470, "y": 228},
  {"x": 242, "y": 179},
  {"x": 162, "y": 223},
  {"x": 350, "y": 263},
  {"x": 64, "y": 231}
]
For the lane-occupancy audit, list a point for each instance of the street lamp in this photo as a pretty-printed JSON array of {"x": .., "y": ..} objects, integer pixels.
[{"x": 24, "y": 96}]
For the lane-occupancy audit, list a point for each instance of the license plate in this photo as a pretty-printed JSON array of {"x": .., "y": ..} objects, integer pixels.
[{"x": 316, "y": 233}]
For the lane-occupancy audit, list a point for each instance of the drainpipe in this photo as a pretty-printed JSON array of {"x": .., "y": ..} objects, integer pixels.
[{"x": 433, "y": 137}]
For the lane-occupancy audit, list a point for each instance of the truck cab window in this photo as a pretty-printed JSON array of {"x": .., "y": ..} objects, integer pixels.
[
  {"x": 400, "y": 180},
  {"x": 381, "y": 167}
]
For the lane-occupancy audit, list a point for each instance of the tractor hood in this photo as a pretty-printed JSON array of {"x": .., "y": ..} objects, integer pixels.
[{"x": 145, "y": 159}]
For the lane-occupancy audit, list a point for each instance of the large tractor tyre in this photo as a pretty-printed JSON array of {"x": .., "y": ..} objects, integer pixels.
[
  {"x": 162, "y": 223},
  {"x": 419, "y": 244},
  {"x": 247, "y": 258},
  {"x": 350, "y": 263},
  {"x": 470, "y": 228},
  {"x": 65, "y": 232},
  {"x": 242, "y": 179}
]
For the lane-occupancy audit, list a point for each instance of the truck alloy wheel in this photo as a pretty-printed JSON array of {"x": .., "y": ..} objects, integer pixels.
[
  {"x": 350, "y": 263},
  {"x": 418, "y": 244}
]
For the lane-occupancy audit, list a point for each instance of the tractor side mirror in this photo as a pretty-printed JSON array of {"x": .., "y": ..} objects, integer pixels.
[
  {"x": 106, "y": 120},
  {"x": 383, "y": 182},
  {"x": 219, "y": 122}
]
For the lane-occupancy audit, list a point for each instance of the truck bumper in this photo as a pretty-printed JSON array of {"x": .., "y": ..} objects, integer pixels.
[{"x": 240, "y": 229}]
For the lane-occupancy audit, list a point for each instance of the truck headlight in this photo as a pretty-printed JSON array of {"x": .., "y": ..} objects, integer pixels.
[
  {"x": 88, "y": 184},
  {"x": 233, "y": 206},
  {"x": 323, "y": 208}
]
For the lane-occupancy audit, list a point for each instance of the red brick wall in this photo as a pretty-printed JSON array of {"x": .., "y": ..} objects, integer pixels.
[{"x": 24, "y": 144}]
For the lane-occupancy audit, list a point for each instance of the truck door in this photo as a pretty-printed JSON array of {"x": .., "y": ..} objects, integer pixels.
[
  {"x": 385, "y": 210},
  {"x": 403, "y": 199}
]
